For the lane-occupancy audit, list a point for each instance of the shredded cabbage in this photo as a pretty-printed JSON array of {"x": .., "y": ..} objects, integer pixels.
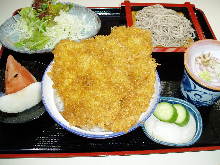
[
  {"x": 35, "y": 21},
  {"x": 33, "y": 29},
  {"x": 67, "y": 27}
]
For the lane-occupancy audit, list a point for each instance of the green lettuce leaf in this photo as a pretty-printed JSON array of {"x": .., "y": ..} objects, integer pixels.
[
  {"x": 205, "y": 75},
  {"x": 37, "y": 27},
  {"x": 30, "y": 16},
  {"x": 36, "y": 42}
]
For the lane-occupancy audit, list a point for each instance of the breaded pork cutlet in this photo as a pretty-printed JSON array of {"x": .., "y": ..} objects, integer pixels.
[{"x": 106, "y": 81}]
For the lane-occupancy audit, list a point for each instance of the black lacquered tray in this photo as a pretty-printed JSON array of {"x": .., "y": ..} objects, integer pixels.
[{"x": 42, "y": 137}]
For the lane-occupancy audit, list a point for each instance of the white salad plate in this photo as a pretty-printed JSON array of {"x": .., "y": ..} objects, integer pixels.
[{"x": 9, "y": 35}]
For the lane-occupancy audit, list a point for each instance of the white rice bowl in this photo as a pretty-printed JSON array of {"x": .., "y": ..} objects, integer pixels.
[{"x": 50, "y": 102}]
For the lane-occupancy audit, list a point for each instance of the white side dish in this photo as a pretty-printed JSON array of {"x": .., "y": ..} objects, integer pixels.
[
  {"x": 21, "y": 100},
  {"x": 170, "y": 132}
]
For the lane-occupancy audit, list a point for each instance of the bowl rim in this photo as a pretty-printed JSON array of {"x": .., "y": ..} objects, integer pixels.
[
  {"x": 72, "y": 129},
  {"x": 186, "y": 64},
  {"x": 194, "y": 112}
]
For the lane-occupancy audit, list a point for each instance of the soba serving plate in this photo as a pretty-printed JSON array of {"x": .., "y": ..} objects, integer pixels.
[
  {"x": 185, "y": 9},
  {"x": 9, "y": 34}
]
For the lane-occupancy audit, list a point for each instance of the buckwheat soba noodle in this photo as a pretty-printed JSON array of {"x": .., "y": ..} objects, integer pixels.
[{"x": 169, "y": 28}]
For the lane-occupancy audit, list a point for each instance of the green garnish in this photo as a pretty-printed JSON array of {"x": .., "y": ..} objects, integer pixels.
[
  {"x": 36, "y": 42},
  {"x": 205, "y": 75},
  {"x": 29, "y": 16},
  {"x": 36, "y": 19}
]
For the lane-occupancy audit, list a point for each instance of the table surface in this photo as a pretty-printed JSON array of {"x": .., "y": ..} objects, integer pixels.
[{"x": 211, "y": 10}]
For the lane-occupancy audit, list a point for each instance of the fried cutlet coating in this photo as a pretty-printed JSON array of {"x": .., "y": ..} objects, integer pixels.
[{"x": 106, "y": 81}]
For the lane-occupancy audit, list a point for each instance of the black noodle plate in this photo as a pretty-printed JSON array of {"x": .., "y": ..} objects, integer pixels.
[{"x": 43, "y": 135}]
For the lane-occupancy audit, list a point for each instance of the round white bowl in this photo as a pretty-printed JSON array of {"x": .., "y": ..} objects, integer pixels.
[
  {"x": 48, "y": 98},
  {"x": 197, "y": 49}
]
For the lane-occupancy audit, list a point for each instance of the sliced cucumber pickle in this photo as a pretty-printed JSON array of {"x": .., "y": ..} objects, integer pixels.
[
  {"x": 183, "y": 115},
  {"x": 166, "y": 112}
]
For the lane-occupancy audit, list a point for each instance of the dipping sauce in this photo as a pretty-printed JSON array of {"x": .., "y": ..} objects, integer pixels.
[
  {"x": 170, "y": 132},
  {"x": 207, "y": 67}
]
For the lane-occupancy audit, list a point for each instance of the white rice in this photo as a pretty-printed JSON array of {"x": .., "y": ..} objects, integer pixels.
[{"x": 58, "y": 101}]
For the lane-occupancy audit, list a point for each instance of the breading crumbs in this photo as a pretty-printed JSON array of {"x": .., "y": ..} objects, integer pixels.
[{"x": 106, "y": 81}]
